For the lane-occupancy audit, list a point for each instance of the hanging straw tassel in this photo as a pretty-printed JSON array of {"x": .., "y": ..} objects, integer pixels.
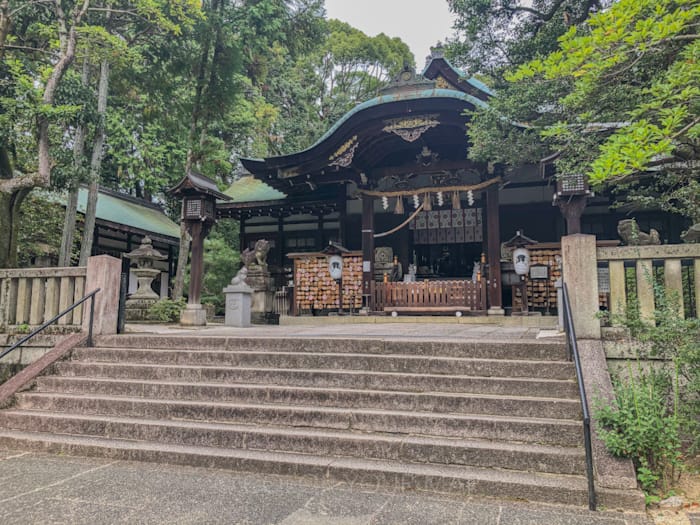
[
  {"x": 399, "y": 206},
  {"x": 427, "y": 204},
  {"x": 456, "y": 201}
]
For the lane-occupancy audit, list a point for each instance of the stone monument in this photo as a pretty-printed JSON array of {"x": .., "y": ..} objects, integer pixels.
[
  {"x": 144, "y": 297},
  {"x": 258, "y": 278},
  {"x": 238, "y": 301}
]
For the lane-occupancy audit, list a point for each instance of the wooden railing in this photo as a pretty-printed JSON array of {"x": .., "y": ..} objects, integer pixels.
[
  {"x": 31, "y": 296},
  {"x": 634, "y": 269},
  {"x": 448, "y": 294}
]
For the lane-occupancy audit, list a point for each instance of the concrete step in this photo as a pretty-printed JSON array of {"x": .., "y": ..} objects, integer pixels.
[
  {"x": 562, "y": 432},
  {"x": 457, "y": 480},
  {"x": 438, "y": 402},
  {"x": 522, "y": 349},
  {"x": 335, "y": 361},
  {"x": 410, "y": 449},
  {"x": 321, "y": 378}
]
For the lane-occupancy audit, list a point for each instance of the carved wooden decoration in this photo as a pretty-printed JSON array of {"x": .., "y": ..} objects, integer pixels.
[
  {"x": 345, "y": 153},
  {"x": 411, "y": 129}
]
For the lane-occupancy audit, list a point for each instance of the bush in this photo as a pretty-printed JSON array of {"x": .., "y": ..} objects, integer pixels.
[
  {"x": 166, "y": 310},
  {"x": 643, "y": 425}
]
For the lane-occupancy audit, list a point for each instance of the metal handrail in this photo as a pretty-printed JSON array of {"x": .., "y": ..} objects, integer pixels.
[
  {"x": 26, "y": 338},
  {"x": 573, "y": 355}
]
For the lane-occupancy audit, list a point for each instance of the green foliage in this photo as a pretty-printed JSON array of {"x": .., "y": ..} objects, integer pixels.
[
  {"x": 654, "y": 409},
  {"x": 632, "y": 74},
  {"x": 40, "y": 228},
  {"x": 642, "y": 426},
  {"x": 221, "y": 262},
  {"x": 166, "y": 310}
]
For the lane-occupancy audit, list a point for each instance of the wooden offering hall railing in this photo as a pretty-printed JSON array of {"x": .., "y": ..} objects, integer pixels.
[{"x": 447, "y": 295}]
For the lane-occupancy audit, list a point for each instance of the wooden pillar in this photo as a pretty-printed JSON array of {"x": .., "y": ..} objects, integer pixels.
[
  {"x": 572, "y": 209},
  {"x": 241, "y": 234},
  {"x": 343, "y": 214},
  {"x": 197, "y": 233},
  {"x": 319, "y": 233},
  {"x": 367, "y": 249},
  {"x": 280, "y": 242},
  {"x": 493, "y": 230}
]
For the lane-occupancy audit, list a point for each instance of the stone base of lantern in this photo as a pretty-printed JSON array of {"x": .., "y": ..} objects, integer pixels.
[
  {"x": 194, "y": 315},
  {"x": 137, "y": 309}
]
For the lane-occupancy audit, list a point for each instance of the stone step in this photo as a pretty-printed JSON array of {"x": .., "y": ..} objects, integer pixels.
[
  {"x": 335, "y": 361},
  {"x": 410, "y": 449},
  {"x": 563, "y": 432},
  {"x": 438, "y": 402},
  {"x": 521, "y": 349},
  {"x": 457, "y": 480},
  {"x": 320, "y": 378}
]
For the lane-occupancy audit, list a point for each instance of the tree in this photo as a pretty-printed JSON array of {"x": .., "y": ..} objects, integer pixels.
[
  {"x": 632, "y": 84},
  {"x": 38, "y": 44}
]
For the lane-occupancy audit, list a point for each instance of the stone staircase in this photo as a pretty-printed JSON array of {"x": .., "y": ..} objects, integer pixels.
[{"x": 491, "y": 418}]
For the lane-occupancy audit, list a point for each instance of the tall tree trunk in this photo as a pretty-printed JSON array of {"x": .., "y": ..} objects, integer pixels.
[
  {"x": 95, "y": 165},
  {"x": 64, "y": 257},
  {"x": 183, "y": 255},
  {"x": 9, "y": 217}
]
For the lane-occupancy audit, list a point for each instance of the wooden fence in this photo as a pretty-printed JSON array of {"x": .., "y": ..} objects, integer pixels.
[
  {"x": 30, "y": 296},
  {"x": 430, "y": 295},
  {"x": 632, "y": 270}
]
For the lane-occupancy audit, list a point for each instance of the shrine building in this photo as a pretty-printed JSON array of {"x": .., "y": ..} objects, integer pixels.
[{"x": 423, "y": 226}]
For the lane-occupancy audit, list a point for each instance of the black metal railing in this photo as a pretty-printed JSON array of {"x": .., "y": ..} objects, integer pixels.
[
  {"x": 51, "y": 321},
  {"x": 573, "y": 355}
]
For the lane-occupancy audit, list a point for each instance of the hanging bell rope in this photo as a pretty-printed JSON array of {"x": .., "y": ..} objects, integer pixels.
[
  {"x": 427, "y": 202},
  {"x": 423, "y": 191},
  {"x": 456, "y": 201},
  {"x": 399, "y": 206},
  {"x": 402, "y": 225}
]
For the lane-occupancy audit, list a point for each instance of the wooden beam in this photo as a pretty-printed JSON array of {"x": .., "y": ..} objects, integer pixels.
[{"x": 494, "y": 248}]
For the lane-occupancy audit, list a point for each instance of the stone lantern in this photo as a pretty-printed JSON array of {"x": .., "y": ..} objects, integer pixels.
[
  {"x": 199, "y": 195},
  {"x": 144, "y": 297}
]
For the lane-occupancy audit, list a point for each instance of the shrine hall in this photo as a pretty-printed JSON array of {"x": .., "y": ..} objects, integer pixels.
[{"x": 420, "y": 227}]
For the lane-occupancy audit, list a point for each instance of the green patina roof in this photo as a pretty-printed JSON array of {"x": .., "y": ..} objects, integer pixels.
[
  {"x": 250, "y": 189},
  {"x": 124, "y": 211}
]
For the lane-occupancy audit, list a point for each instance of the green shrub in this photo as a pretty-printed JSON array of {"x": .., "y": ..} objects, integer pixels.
[
  {"x": 166, "y": 310},
  {"x": 643, "y": 425}
]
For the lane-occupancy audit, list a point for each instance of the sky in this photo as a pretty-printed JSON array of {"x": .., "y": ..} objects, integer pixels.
[{"x": 419, "y": 23}]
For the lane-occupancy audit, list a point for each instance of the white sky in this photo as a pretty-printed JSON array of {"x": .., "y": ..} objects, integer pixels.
[{"x": 419, "y": 23}]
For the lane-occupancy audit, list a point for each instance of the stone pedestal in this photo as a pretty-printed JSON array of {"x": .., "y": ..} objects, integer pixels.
[
  {"x": 238, "y": 305},
  {"x": 144, "y": 297},
  {"x": 262, "y": 297},
  {"x": 194, "y": 315}
]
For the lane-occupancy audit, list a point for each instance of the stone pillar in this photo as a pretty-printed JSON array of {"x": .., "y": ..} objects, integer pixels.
[
  {"x": 618, "y": 295},
  {"x": 493, "y": 231},
  {"x": 238, "y": 305},
  {"x": 673, "y": 281},
  {"x": 103, "y": 272},
  {"x": 580, "y": 269},
  {"x": 645, "y": 289}
]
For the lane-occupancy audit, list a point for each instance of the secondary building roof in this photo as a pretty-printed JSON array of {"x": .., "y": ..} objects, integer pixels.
[{"x": 124, "y": 210}]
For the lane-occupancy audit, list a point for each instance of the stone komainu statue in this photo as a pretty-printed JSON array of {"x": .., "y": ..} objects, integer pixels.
[
  {"x": 257, "y": 257},
  {"x": 629, "y": 232}
]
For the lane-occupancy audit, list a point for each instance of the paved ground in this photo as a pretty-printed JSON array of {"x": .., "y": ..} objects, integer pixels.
[{"x": 43, "y": 489}]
